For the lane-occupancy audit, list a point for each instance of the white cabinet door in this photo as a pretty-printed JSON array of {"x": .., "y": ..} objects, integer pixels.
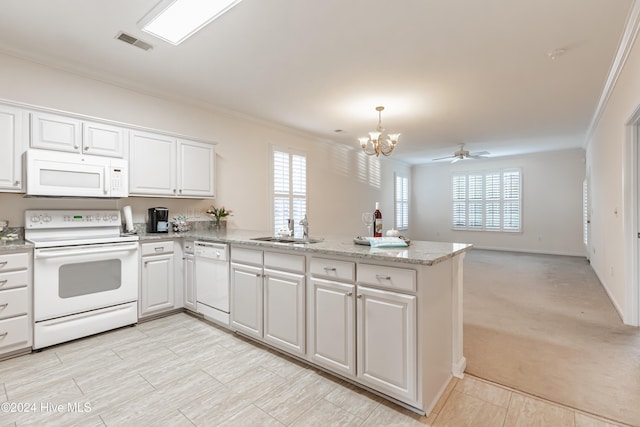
[
  {"x": 331, "y": 330},
  {"x": 196, "y": 169},
  {"x": 152, "y": 164},
  {"x": 284, "y": 323},
  {"x": 12, "y": 136},
  {"x": 246, "y": 299},
  {"x": 157, "y": 286},
  {"x": 189, "y": 283},
  {"x": 101, "y": 139},
  {"x": 387, "y": 342},
  {"x": 54, "y": 132}
]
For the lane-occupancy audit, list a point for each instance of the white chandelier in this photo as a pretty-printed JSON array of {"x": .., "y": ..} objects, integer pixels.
[{"x": 376, "y": 143}]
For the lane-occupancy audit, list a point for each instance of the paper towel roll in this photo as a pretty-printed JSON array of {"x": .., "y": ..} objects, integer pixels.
[{"x": 128, "y": 219}]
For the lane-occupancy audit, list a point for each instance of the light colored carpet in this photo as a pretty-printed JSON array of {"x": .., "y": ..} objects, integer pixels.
[{"x": 544, "y": 325}]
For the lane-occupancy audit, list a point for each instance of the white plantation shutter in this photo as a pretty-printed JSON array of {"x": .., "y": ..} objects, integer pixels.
[
  {"x": 289, "y": 188},
  {"x": 489, "y": 201},
  {"x": 511, "y": 206},
  {"x": 402, "y": 202},
  {"x": 492, "y": 201},
  {"x": 459, "y": 198}
]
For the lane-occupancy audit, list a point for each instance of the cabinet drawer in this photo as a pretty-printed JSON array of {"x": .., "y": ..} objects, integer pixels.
[
  {"x": 246, "y": 256},
  {"x": 14, "y": 302},
  {"x": 387, "y": 277},
  {"x": 14, "y": 279},
  {"x": 13, "y": 332},
  {"x": 282, "y": 261},
  {"x": 156, "y": 248},
  {"x": 343, "y": 270},
  {"x": 14, "y": 261}
]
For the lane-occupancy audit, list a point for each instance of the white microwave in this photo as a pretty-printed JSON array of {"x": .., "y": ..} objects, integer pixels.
[{"x": 58, "y": 174}]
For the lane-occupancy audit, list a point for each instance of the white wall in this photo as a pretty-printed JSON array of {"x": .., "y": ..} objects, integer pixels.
[
  {"x": 605, "y": 168},
  {"x": 341, "y": 181},
  {"x": 551, "y": 205}
]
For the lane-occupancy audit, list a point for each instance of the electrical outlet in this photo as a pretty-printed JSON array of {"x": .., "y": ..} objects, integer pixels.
[{"x": 3, "y": 223}]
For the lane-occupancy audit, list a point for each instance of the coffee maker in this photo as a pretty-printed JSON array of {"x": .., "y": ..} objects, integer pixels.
[{"x": 158, "y": 220}]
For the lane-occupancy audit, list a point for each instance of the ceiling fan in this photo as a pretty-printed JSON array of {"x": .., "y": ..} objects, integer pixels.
[{"x": 462, "y": 154}]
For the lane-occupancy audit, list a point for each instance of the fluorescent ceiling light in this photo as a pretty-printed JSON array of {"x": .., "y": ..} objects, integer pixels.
[{"x": 176, "y": 20}]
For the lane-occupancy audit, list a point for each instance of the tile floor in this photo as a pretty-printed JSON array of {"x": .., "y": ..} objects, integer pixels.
[{"x": 180, "y": 371}]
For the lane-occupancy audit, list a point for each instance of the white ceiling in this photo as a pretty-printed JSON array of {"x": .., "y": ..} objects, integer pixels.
[{"x": 447, "y": 71}]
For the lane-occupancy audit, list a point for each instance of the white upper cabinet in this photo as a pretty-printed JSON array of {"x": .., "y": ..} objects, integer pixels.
[
  {"x": 196, "y": 168},
  {"x": 13, "y": 136},
  {"x": 152, "y": 164},
  {"x": 64, "y": 133},
  {"x": 163, "y": 165},
  {"x": 102, "y": 139},
  {"x": 53, "y": 132}
]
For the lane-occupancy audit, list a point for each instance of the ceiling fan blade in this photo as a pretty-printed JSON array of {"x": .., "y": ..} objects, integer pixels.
[
  {"x": 479, "y": 153},
  {"x": 456, "y": 159},
  {"x": 473, "y": 156},
  {"x": 443, "y": 158}
]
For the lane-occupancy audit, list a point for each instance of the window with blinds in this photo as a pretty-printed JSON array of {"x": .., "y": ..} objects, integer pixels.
[
  {"x": 487, "y": 201},
  {"x": 402, "y": 202},
  {"x": 289, "y": 188}
]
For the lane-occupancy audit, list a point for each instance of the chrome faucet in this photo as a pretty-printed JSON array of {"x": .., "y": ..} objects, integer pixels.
[
  {"x": 290, "y": 223},
  {"x": 305, "y": 227}
]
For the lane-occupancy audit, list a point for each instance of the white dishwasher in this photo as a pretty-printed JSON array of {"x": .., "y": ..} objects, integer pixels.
[{"x": 212, "y": 281}]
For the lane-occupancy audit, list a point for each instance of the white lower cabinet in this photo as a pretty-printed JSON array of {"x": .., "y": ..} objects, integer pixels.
[
  {"x": 284, "y": 310},
  {"x": 15, "y": 302},
  {"x": 246, "y": 299},
  {"x": 268, "y": 297},
  {"x": 188, "y": 266},
  {"x": 331, "y": 332},
  {"x": 387, "y": 346},
  {"x": 157, "y": 292},
  {"x": 347, "y": 318}
]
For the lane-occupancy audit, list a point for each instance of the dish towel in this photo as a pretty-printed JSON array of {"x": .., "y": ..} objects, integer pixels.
[{"x": 386, "y": 242}]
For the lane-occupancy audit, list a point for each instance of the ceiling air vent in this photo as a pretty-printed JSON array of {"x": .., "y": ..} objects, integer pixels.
[{"x": 133, "y": 41}]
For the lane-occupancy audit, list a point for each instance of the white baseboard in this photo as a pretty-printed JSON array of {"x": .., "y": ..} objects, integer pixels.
[{"x": 531, "y": 251}]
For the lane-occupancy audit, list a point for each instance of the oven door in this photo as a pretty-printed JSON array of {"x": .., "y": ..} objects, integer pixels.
[{"x": 74, "y": 279}]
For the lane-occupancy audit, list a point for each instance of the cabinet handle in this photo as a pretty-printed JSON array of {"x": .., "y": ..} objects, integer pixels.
[
  {"x": 349, "y": 294},
  {"x": 180, "y": 191},
  {"x": 86, "y": 148},
  {"x": 3, "y": 335},
  {"x": 3, "y": 282},
  {"x": 381, "y": 277},
  {"x": 359, "y": 296},
  {"x": 3, "y": 263},
  {"x": 258, "y": 275},
  {"x": 3, "y": 306},
  {"x": 158, "y": 249},
  {"x": 174, "y": 191},
  {"x": 76, "y": 147},
  {"x": 17, "y": 183},
  {"x": 329, "y": 269}
]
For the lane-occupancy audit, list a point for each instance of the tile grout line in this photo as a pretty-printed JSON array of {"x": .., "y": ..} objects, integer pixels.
[{"x": 186, "y": 417}]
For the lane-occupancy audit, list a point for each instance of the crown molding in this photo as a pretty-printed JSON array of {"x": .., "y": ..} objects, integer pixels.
[{"x": 624, "y": 48}]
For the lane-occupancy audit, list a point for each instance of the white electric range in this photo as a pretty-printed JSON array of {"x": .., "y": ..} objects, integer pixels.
[{"x": 85, "y": 273}]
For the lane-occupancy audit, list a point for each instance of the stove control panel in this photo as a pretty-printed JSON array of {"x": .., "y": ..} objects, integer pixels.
[{"x": 71, "y": 218}]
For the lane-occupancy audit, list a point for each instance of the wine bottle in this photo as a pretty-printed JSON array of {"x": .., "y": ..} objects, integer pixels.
[{"x": 377, "y": 222}]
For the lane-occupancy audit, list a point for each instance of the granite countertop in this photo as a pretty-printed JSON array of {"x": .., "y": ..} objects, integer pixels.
[
  {"x": 418, "y": 252},
  {"x": 13, "y": 244}
]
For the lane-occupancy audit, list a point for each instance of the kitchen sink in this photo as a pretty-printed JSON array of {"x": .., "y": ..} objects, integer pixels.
[{"x": 285, "y": 240}]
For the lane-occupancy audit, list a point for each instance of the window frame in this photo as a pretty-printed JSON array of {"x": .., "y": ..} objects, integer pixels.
[
  {"x": 484, "y": 204},
  {"x": 401, "y": 223},
  {"x": 291, "y": 195}
]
